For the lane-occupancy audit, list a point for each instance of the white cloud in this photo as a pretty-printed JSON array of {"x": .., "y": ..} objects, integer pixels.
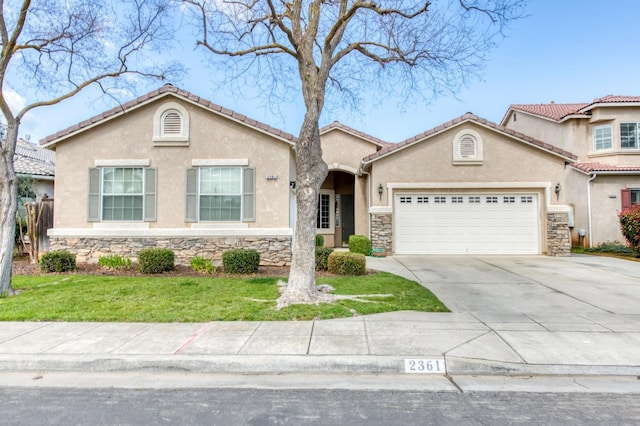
[{"x": 14, "y": 99}]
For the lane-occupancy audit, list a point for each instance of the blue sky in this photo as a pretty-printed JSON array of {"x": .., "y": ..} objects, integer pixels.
[{"x": 564, "y": 51}]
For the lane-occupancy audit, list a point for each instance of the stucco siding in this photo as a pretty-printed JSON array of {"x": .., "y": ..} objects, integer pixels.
[{"x": 129, "y": 137}]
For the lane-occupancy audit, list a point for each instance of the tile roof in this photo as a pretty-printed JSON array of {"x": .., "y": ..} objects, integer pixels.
[
  {"x": 337, "y": 125},
  {"x": 473, "y": 118},
  {"x": 30, "y": 159},
  {"x": 558, "y": 112},
  {"x": 604, "y": 168},
  {"x": 164, "y": 90}
]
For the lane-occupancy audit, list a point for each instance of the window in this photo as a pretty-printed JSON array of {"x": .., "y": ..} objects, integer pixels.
[
  {"x": 423, "y": 200},
  {"x": 509, "y": 200},
  {"x": 122, "y": 194},
  {"x": 474, "y": 199},
  {"x": 220, "y": 194},
  {"x": 323, "y": 220},
  {"x": 440, "y": 200},
  {"x": 457, "y": 200},
  {"x": 492, "y": 200},
  {"x": 526, "y": 199},
  {"x": 629, "y": 136},
  {"x": 467, "y": 148},
  {"x": 602, "y": 137},
  {"x": 171, "y": 125},
  {"x": 405, "y": 200}
]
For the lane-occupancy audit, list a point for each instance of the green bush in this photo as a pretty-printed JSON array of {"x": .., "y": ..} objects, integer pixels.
[
  {"x": 609, "y": 247},
  {"x": 201, "y": 265},
  {"x": 347, "y": 263},
  {"x": 58, "y": 261},
  {"x": 241, "y": 261},
  {"x": 322, "y": 258},
  {"x": 113, "y": 262},
  {"x": 156, "y": 260},
  {"x": 630, "y": 227},
  {"x": 319, "y": 240},
  {"x": 360, "y": 244}
]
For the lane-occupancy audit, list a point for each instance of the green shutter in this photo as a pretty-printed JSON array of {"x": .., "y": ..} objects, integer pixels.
[
  {"x": 249, "y": 195},
  {"x": 93, "y": 208},
  {"x": 191, "y": 211},
  {"x": 150, "y": 183}
]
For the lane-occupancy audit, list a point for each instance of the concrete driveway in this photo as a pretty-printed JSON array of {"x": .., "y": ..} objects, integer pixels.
[{"x": 529, "y": 285}]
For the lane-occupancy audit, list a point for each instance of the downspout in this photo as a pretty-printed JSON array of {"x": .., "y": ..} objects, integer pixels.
[{"x": 593, "y": 176}]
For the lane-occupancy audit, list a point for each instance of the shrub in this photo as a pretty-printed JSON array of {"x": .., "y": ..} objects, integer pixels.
[
  {"x": 360, "y": 244},
  {"x": 630, "y": 227},
  {"x": 58, "y": 261},
  {"x": 241, "y": 261},
  {"x": 347, "y": 263},
  {"x": 156, "y": 260},
  {"x": 322, "y": 258},
  {"x": 610, "y": 247},
  {"x": 113, "y": 262},
  {"x": 319, "y": 240},
  {"x": 201, "y": 265}
]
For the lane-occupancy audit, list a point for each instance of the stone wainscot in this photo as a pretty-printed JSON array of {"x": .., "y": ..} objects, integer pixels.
[{"x": 275, "y": 250}]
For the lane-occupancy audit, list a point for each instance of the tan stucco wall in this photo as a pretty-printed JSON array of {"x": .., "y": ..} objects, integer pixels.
[
  {"x": 129, "y": 137},
  {"x": 505, "y": 160},
  {"x": 605, "y": 206}
]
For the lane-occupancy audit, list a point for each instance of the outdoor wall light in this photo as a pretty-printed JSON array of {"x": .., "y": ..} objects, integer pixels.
[
  {"x": 380, "y": 190},
  {"x": 558, "y": 188},
  {"x": 292, "y": 184}
]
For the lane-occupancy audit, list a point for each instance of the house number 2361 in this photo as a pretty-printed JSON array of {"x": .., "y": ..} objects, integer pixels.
[{"x": 424, "y": 366}]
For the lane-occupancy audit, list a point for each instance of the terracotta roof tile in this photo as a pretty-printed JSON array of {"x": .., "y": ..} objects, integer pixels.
[
  {"x": 601, "y": 167},
  {"x": 553, "y": 111},
  {"x": 337, "y": 125},
  {"x": 474, "y": 118},
  {"x": 167, "y": 88}
]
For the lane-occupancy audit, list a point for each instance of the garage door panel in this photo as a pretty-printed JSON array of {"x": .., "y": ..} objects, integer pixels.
[{"x": 473, "y": 224}]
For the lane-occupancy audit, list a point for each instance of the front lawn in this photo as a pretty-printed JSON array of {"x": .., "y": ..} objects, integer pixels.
[{"x": 199, "y": 299}]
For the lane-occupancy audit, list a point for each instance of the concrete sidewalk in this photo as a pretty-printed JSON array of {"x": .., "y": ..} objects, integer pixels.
[{"x": 492, "y": 342}]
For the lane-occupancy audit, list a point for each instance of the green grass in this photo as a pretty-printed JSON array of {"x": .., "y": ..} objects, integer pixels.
[{"x": 198, "y": 299}]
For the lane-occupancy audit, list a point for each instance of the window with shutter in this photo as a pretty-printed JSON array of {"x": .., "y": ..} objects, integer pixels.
[{"x": 122, "y": 194}]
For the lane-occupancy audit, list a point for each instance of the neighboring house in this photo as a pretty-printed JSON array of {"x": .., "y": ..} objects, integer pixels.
[
  {"x": 604, "y": 134},
  {"x": 37, "y": 163},
  {"x": 170, "y": 169}
]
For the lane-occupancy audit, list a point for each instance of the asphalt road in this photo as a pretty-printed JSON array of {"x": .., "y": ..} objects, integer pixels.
[{"x": 104, "y": 406}]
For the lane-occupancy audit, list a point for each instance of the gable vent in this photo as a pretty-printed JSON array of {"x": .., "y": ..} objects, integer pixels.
[
  {"x": 467, "y": 146},
  {"x": 172, "y": 123}
]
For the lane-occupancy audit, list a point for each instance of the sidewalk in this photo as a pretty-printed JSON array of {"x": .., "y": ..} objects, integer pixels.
[{"x": 574, "y": 344}]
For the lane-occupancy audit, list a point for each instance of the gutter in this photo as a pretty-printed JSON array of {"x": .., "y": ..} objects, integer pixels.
[{"x": 593, "y": 176}]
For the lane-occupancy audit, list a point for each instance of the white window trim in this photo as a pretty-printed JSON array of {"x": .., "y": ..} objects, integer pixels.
[
  {"x": 332, "y": 212},
  {"x": 102, "y": 195},
  {"x": 595, "y": 149},
  {"x": 199, "y": 195},
  {"x": 239, "y": 162},
  {"x": 174, "y": 140},
  {"x": 637, "y": 148},
  {"x": 123, "y": 163},
  {"x": 468, "y": 161}
]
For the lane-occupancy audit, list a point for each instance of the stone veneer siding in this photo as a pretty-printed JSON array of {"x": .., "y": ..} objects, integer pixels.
[
  {"x": 274, "y": 251},
  {"x": 558, "y": 236},
  {"x": 382, "y": 232}
]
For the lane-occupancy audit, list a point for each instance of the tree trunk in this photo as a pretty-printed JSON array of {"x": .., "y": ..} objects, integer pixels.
[
  {"x": 311, "y": 172},
  {"x": 8, "y": 209}
]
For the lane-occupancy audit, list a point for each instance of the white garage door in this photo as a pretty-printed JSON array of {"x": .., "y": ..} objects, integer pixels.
[{"x": 467, "y": 224}]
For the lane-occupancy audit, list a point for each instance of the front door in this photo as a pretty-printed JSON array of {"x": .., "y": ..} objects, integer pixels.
[{"x": 346, "y": 214}]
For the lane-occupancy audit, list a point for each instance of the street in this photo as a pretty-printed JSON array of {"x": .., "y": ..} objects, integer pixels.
[{"x": 255, "y": 400}]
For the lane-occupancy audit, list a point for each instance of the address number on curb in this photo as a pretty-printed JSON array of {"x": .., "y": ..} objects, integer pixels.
[{"x": 425, "y": 366}]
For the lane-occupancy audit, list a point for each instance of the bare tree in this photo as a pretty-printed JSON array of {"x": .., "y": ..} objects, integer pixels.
[
  {"x": 53, "y": 49},
  {"x": 411, "y": 48}
]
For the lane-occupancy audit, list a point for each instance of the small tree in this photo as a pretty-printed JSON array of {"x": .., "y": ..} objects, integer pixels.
[
  {"x": 630, "y": 227},
  {"x": 53, "y": 49}
]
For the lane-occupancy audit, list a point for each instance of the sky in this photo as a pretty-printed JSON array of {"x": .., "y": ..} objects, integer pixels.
[{"x": 566, "y": 51}]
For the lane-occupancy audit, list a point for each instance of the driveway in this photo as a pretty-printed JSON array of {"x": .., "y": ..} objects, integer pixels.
[{"x": 529, "y": 285}]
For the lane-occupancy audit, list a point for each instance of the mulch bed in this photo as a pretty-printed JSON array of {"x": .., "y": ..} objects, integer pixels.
[{"x": 23, "y": 266}]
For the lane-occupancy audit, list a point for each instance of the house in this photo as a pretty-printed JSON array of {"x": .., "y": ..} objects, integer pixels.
[
  {"x": 32, "y": 161},
  {"x": 606, "y": 178},
  {"x": 170, "y": 169}
]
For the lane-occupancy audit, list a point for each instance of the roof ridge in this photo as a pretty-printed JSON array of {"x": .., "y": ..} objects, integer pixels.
[{"x": 162, "y": 90}]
